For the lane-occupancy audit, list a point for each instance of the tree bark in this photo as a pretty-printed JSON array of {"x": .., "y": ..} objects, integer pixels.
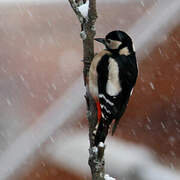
[{"x": 96, "y": 154}]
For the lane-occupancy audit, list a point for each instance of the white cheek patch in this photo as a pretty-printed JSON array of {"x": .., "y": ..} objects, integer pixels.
[
  {"x": 114, "y": 44},
  {"x": 113, "y": 84},
  {"x": 124, "y": 51}
]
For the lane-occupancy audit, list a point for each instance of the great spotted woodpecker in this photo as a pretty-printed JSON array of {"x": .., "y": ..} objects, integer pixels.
[{"x": 112, "y": 76}]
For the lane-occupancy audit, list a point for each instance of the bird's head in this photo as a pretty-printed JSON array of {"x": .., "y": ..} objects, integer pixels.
[{"x": 118, "y": 42}]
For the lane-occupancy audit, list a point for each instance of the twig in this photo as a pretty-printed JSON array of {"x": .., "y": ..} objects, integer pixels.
[{"x": 96, "y": 154}]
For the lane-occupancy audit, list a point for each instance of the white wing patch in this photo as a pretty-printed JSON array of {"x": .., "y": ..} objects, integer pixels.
[
  {"x": 113, "y": 84},
  {"x": 108, "y": 101},
  {"x": 114, "y": 44},
  {"x": 104, "y": 107}
]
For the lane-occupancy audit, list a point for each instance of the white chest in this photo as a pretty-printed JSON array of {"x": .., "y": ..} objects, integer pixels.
[{"x": 113, "y": 86}]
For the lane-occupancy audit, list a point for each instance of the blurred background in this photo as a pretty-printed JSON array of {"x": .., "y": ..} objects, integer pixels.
[{"x": 43, "y": 126}]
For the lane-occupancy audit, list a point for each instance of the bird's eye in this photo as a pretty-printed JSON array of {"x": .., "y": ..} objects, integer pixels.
[{"x": 108, "y": 40}]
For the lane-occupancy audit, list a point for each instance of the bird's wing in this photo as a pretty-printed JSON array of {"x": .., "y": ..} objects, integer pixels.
[
  {"x": 106, "y": 101},
  {"x": 121, "y": 111},
  {"x": 102, "y": 70},
  {"x": 128, "y": 75}
]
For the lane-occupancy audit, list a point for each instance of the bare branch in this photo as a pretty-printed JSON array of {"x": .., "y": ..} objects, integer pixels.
[
  {"x": 96, "y": 164},
  {"x": 88, "y": 31},
  {"x": 92, "y": 12}
]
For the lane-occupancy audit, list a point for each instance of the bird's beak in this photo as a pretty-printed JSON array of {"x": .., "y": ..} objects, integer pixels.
[{"x": 101, "y": 40}]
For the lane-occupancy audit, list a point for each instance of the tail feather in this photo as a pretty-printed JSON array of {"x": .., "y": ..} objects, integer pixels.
[
  {"x": 119, "y": 115},
  {"x": 101, "y": 133}
]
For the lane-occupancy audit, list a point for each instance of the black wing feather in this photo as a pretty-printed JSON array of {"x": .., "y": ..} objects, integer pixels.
[
  {"x": 128, "y": 75},
  {"x": 116, "y": 105}
]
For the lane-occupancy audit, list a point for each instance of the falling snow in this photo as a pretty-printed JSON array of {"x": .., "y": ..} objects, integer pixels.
[
  {"x": 8, "y": 102},
  {"x": 152, "y": 86},
  {"x": 41, "y": 93}
]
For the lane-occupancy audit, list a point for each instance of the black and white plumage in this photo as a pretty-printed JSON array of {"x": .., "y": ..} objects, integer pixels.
[{"x": 112, "y": 76}]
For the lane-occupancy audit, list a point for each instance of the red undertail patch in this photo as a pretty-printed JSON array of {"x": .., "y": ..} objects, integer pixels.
[{"x": 98, "y": 111}]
